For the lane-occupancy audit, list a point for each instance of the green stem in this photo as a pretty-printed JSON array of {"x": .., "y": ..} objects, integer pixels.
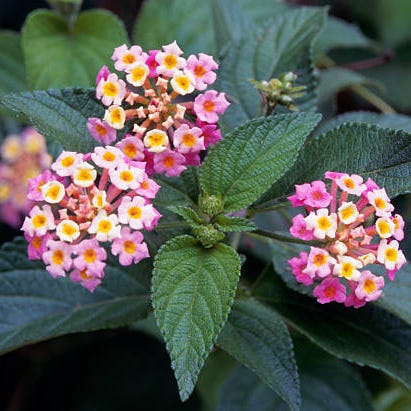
[
  {"x": 265, "y": 208},
  {"x": 372, "y": 98},
  {"x": 283, "y": 238},
  {"x": 174, "y": 224},
  {"x": 235, "y": 241}
]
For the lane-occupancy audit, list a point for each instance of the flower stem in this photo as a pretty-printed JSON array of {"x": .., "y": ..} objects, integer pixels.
[{"x": 283, "y": 238}]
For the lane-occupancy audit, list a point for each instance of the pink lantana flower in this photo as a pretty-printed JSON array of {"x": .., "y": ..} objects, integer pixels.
[
  {"x": 330, "y": 289},
  {"x": 90, "y": 257},
  {"x": 202, "y": 68},
  {"x": 130, "y": 247},
  {"x": 369, "y": 287},
  {"x": 207, "y": 106},
  {"x": 188, "y": 139},
  {"x": 86, "y": 278},
  {"x": 169, "y": 162},
  {"x": 101, "y": 131},
  {"x": 299, "y": 228},
  {"x": 169, "y": 60},
  {"x": 298, "y": 265},
  {"x": 58, "y": 258},
  {"x": 125, "y": 58}
]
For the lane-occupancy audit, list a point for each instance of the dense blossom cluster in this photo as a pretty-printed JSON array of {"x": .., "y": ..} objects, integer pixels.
[
  {"x": 151, "y": 101},
  {"x": 356, "y": 227},
  {"x": 78, "y": 211},
  {"x": 23, "y": 156}
]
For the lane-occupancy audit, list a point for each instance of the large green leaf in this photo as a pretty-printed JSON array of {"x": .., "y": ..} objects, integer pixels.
[
  {"x": 12, "y": 73},
  {"x": 367, "y": 336},
  {"x": 340, "y": 34},
  {"x": 186, "y": 21},
  {"x": 394, "y": 120},
  {"x": 252, "y": 157},
  {"x": 258, "y": 338},
  {"x": 281, "y": 45},
  {"x": 60, "y": 115},
  {"x": 193, "y": 290},
  {"x": 324, "y": 381},
  {"x": 36, "y": 307},
  {"x": 381, "y": 154},
  {"x": 60, "y": 55}
]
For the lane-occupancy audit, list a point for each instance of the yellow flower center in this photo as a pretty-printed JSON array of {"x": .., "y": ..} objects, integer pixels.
[
  {"x": 105, "y": 226},
  {"x": 369, "y": 285},
  {"x": 329, "y": 292},
  {"x": 199, "y": 70},
  {"x": 57, "y": 257},
  {"x": 110, "y": 89},
  {"x": 383, "y": 227},
  {"x": 68, "y": 229},
  {"x": 138, "y": 73},
  {"x": 170, "y": 61},
  {"x": 324, "y": 223},
  {"x": 380, "y": 203},
  {"x": 144, "y": 185},
  {"x": 130, "y": 150},
  {"x": 208, "y": 105},
  {"x": 67, "y": 161},
  {"x": 109, "y": 156},
  {"x": 183, "y": 82},
  {"x": 129, "y": 247},
  {"x": 39, "y": 220},
  {"x": 101, "y": 131},
  {"x": 89, "y": 256},
  {"x": 84, "y": 174},
  {"x": 188, "y": 140},
  {"x": 347, "y": 213},
  {"x": 391, "y": 254},
  {"x": 53, "y": 193},
  {"x": 126, "y": 176},
  {"x": 156, "y": 139},
  {"x": 36, "y": 242},
  {"x": 319, "y": 260},
  {"x": 168, "y": 162},
  {"x": 128, "y": 58},
  {"x": 135, "y": 212},
  {"x": 116, "y": 115},
  {"x": 347, "y": 270},
  {"x": 349, "y": 183}
]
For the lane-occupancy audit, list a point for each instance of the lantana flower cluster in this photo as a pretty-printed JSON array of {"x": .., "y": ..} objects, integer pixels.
[
  {"x": 22, "y": 156},
  {"x": 355, "y": 225},
  {"x": 154, "y": 100},
  {"x": 80, "y": 213}
]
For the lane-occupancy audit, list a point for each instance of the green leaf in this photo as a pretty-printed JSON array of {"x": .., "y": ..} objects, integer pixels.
[
  {"x": 187, "y": 213},
  {"x": 193, "y": 290},
  {"x": 324, "y": 381},
  {"x": 336, "y": 79},
  {"x": 258, "y": 338},
  {"x": 394, "y": 120},
  {"x": 381, "y": 154},
  {"x": 227, "y": 224},
  {"x": 281, "y": 45},
  {"x": 60, "y": 115},
  {"x": 12, "y": 73},
  {"x": 397, "y": 296},
  {"x": 186, "y": 21},
  {"x": 230, "y": 22},
  {"x": 366, "y": 336},
  {"x": 340, "y": 34},
  {"x": 37, "y": 307},
  {"x": 59, "y": 55},
  {"x": 252, "y": 157}
]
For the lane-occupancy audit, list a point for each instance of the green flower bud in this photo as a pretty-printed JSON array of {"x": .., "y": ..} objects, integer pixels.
[
  {"x": 211, "y": 205},
  {"x": 207, "y": 235}
]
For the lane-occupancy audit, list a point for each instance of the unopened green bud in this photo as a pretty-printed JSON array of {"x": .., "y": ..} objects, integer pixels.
[
  {"x": 208, "y": 235},
  {"x": 211, "y": 205}
]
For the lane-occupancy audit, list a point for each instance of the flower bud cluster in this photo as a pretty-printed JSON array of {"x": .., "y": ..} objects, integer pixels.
[
  {"x": 279, "y": 91},
  {"x": 22, "y": 156},
  {"x": 150, "y": 99},
  {"x": 79, "y": 211},
  {"x": 356, "y": 228}
]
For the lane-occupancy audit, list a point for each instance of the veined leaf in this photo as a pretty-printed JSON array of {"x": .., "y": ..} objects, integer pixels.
[
  {"x": 321, "y": 380},
  {"x": 193, "y": 290},
  {"x": 282, "y": 45},
  {"x": 160, "y": 23},
  {"x": 12, "y": 72},
  {"x": 366, "y": 336},
  {"x": 59, "y": 55},
  {"x": 394, "y": 120},
  {"x": 381, "y": 154},
  {"x": 251, "y": 158},
  {"x": 258, "y": 338},
  {"x": 60, "y": 115},
  {"x": 229, "y": 224},
  {"x": 37, "y": 307}
]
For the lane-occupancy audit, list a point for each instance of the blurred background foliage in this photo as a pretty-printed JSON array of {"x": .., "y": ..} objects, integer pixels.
[{"x": 128, "y": 369}]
